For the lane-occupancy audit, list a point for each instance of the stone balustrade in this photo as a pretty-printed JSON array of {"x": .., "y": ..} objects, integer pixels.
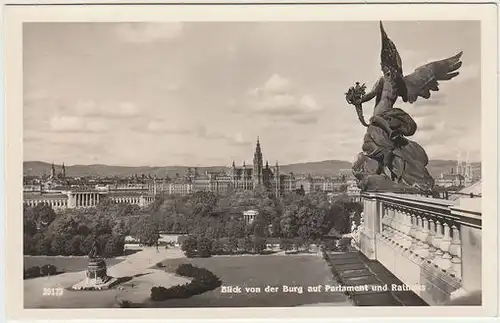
[{"x": 424, "y": 241}]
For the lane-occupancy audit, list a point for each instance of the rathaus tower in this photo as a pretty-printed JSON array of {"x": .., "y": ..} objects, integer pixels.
[{"x": 257, "y": 166}]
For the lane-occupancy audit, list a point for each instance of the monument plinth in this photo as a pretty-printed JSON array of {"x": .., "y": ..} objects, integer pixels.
[
  {"x": 97, "y": 272},
  {"x": 96, "y": 275}
]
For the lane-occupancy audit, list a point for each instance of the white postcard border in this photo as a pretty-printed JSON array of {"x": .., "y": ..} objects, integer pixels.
[{"x": 14, "y": 16}]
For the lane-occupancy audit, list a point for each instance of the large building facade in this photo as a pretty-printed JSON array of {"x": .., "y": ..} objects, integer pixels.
[
  {"x": 236, "y": 179},
  {"x": 258, "y": 176}
]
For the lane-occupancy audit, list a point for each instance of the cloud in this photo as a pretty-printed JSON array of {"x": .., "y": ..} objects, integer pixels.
[
  {"x": 234, "y": 140},
  {"x": 89, "y": 108},
  {"x": 202, "y": 132},
  {"x": 470, "y": 72},
  {"x": 279, "y": 99},
  {"x": 142, "y": 32},
  {"x": 307, "y": 119},
  {"x": 165, "y": 128},
  {"x": 277, "y": 84},
  {"x": 238, "y": 140},
  {"x": 76, "y": 124}
]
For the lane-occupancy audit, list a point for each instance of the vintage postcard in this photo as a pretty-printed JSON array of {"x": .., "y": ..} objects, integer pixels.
[{"x": 251, "y": 161}]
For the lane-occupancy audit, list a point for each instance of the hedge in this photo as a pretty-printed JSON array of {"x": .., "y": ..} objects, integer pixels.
[
  {"x": 37, "y": 271},
  {"x": 203, "y": 280}
]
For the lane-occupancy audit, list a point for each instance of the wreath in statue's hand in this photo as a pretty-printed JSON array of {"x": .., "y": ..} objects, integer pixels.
[{"x": 355, "y": 94}]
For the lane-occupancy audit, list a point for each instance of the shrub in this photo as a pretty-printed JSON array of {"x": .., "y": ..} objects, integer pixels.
[
  {"x": 217, "y": 248},
  {"x": 125, "y": 304},
  {"x": 259, "y": 244},
  {"x": 286, "y": 244},
  {"x": 46, "y": 270},
  {"x": 37, "y": 271},
  {"x": 204, "y": 247},
  {"x": 203, "y": 280},
  {"x": 329, "y": 245},
  {"x": 32, "y": 272},
  {"x": 189, "y": 246},
  {"x": 160, "y": 264}
]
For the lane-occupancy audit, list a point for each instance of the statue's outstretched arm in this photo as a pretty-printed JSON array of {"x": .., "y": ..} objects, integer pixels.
[{"x": 373, "y": 93}]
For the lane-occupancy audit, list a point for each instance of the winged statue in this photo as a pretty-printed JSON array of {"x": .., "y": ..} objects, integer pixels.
[{"x": 389, "y": 160}]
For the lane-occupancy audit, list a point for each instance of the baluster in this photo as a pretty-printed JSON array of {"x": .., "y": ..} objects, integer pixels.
[
  {"x": 410, "y": 238},
  {"x": 406, "y": 223},
  {"x": 383, "y": 221},
  {"x": 389, "y": 231},
  {"x": 398, "y": 227},
  {"x": 421, "y": 228},
  {"x": 430, "y": 239},
  {"x": 456, "y": 252},
  {"x": 391, "y": 223},
  {"x": 410, "y": 228},
  {"x": 445, "y": 262},
  {"x": 416, "y": 232},
  {"x": 436, "y": 242},
  {"x": 424, "y": 248},
  {"x": 404, "y": 228}
]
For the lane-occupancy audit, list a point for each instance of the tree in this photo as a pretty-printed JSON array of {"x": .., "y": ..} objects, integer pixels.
[
  {"x": 86, "y": 244},
  {"x": 44, "y": 213},
  {"x": 189, "y": 246},
  {"x": 204, "y": 247},
  {"x": 245, "y": 244},
  {"x": 42, "y": 244},
  {"x": 146, "y": 231},
  {"x": 259, "y": 244},
  {"x": 217, "y": 247},
  {"x": 76, "y": 242},
  {"x": 28, "y": 244},
  {"x": 61, "y": 245},
  {"x": 29, "y": 222}
]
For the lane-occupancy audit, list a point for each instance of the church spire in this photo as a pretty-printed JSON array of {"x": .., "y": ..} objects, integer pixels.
[{"x": 53, "y": 171}]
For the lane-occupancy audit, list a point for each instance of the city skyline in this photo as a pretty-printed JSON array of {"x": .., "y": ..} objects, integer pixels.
[{"x": 199, "y": 94}]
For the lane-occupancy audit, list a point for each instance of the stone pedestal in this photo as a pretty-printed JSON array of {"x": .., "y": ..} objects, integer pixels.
[
  {"x": 96, "y": 276},
  {"x": 97, "y": 272}
]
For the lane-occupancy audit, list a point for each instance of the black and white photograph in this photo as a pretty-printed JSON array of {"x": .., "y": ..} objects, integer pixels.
[{"x": 252, "y": 164}]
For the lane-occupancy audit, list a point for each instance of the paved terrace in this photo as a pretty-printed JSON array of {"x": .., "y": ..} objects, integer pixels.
[{"x": 354, "y": 269}]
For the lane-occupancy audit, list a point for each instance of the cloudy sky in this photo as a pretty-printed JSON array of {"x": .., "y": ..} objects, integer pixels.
[{"x": 201, "y": 93}]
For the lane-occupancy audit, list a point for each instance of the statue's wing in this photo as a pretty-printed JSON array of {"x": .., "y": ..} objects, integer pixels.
[
  {"x": 391, "y": 64},
  {"x": 426, "y": 77}
]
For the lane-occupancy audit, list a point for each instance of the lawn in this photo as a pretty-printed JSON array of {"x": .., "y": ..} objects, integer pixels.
[
  {"x": 259, "y": 271},
  {"x": 64, "y": 264}
]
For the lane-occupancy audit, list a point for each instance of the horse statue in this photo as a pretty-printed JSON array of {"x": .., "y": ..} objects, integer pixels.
[{"x": 389, "y": 160}]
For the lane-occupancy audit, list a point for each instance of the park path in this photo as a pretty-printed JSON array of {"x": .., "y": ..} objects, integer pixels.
[
  {"x": 137, "y": 263},
  {"x": 136, "y": 290}
]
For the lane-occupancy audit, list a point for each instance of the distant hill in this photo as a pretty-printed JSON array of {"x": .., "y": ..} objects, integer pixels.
[{"x": 327, "y": 167}]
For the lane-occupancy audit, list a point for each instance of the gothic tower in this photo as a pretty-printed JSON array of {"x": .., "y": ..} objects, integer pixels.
[
  {"x": 257, "y": 166},
  {"x": 63, "y": 172},
  {"x": 53, "y": 171}
]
